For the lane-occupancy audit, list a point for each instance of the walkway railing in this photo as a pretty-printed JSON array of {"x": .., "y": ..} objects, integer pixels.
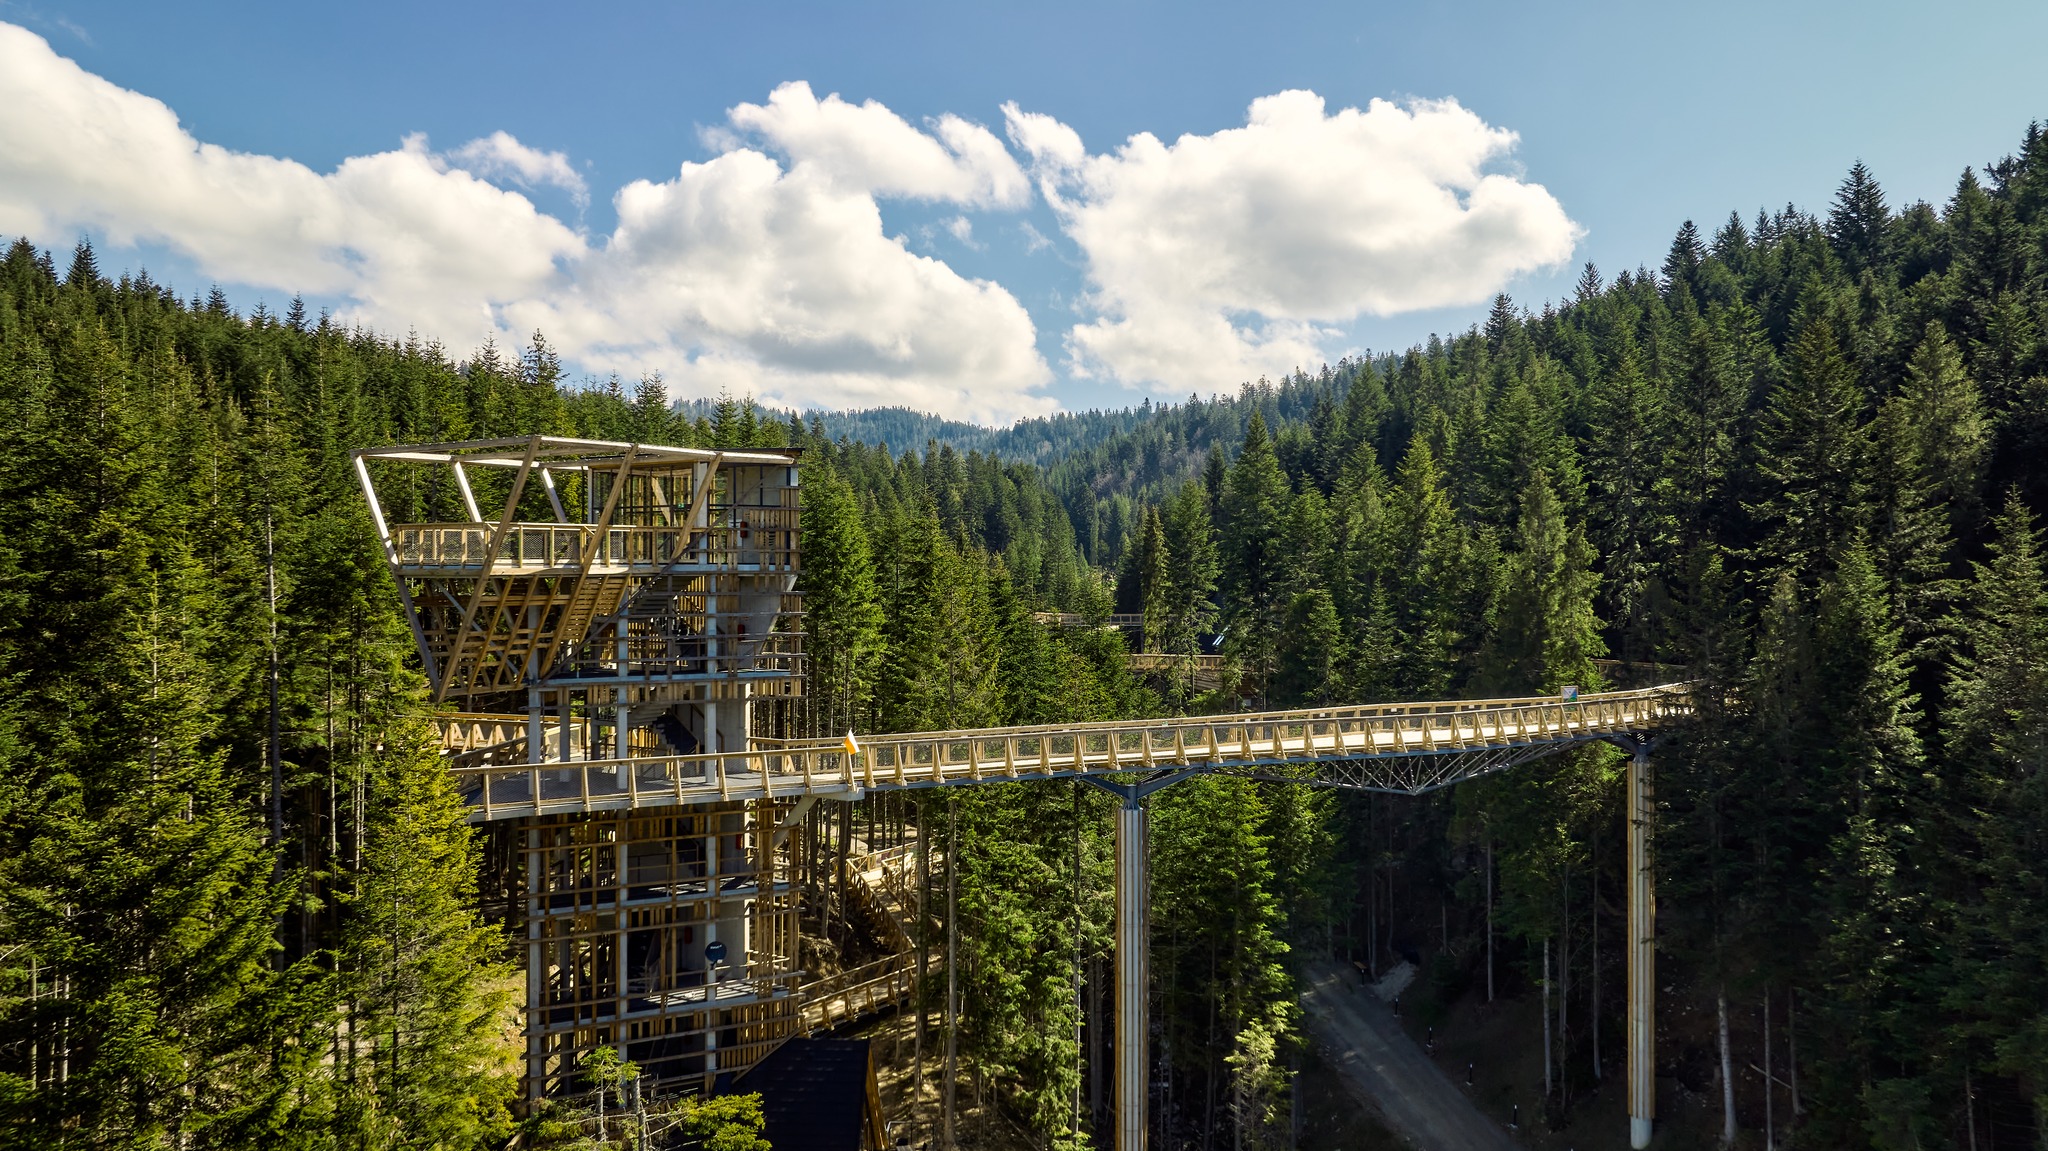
[{"x": 1318, "y": 745}]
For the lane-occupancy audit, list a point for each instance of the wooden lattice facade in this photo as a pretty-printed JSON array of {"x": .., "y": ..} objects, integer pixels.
[
  {"x": 627, "y": 601},
  {"x": 619, "y": 912}
]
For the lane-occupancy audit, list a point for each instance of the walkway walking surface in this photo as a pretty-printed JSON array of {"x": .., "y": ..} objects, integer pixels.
[{"x": 1363, "y": 1041}]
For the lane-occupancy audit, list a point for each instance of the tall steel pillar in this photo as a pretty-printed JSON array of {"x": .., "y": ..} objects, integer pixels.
[
  {"x": 1133, "y": 974},
  {"x": 1642, "y": 950},
  {"x": 1133, "y": 955}
]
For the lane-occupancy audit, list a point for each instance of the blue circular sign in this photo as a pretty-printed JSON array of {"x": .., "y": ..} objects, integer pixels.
[{"x": 714, "y": 951}]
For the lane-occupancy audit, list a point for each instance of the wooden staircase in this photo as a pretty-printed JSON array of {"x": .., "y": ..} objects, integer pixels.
[{"x": 882, "y": 892}]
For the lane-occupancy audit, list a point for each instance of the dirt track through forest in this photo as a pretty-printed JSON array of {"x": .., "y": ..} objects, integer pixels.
[{"x": 1365, "y": 1044}]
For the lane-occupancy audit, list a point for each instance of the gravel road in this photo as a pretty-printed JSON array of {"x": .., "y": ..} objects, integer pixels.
[{"x": 1376, "y": 1059}]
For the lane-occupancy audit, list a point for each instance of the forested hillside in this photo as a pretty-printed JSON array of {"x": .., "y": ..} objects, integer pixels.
[{"x": 1800, "y": 461}]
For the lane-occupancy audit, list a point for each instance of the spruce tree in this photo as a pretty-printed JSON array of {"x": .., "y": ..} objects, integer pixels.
[
  {"x": 1996, "y": 732},
  {"x": 428, "y": 1061},
  {"x": 1191, "y": 570},
  {"x": 1859, "y": 222},
  {"x": 1548, "y": 634},
  {"x": 1814, "y": 454},
  {"x": 842, "y": 612},
  {"x": 1430, "y": 579},
  {"x": 1252, "y": 519}
]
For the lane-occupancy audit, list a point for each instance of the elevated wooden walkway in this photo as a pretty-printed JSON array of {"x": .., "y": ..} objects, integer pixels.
[
  {"x": 1408, "y": 748},
  {"x": 884, "y": 885},
  {"x": 1205, "y": 670}
]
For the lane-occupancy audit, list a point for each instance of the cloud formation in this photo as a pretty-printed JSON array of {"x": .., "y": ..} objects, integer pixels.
[
  {"x": 499, "y": 154},
  {"x": 787, "y": 288},
  {"x": 1216, "y": 258},
  {"x": 766, "y": 269},
  {"x": 737, "y": 273},
  {"x": 867, "y": 147}
]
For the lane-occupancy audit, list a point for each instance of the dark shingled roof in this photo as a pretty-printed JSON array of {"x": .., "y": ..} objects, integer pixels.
[{"x": 814, "y": 1094}]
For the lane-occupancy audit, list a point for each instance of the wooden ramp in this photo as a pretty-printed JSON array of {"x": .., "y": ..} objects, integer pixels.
[{"x": 884, "y": 886}]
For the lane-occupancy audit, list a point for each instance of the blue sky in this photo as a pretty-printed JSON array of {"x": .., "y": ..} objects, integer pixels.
[{"x": 1628, "y": 119}]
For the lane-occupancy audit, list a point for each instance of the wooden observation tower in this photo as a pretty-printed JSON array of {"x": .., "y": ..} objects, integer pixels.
[
  {"x": 590, "y": 605},
  {"x": 621, "y": 640}
]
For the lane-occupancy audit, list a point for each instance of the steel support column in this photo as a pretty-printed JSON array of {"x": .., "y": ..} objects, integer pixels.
[
  {"x": 1642, "y": 951},
  {"x": 1133, "y": 954},
  {"x": 1133, "y": 975}
]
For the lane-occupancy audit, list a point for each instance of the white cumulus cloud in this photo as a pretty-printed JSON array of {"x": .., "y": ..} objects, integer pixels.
[
  {"x": 787, "y": 288},
  {"x": 1216, "y": 258},
  {"x": 739, "y": 272},
  {"x": 411, "y": 240},
  {"x": 869, "y": 148},
  {"x": 500, "y": 154}
]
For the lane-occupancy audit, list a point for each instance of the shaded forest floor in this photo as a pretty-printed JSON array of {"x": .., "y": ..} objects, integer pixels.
[
  {"x": 1332, "y": 1117},
  {"x": 1501, "y": 1041},
  {"x": 916, "y": 1115},
  {"x": 1503, "y": 1044}
]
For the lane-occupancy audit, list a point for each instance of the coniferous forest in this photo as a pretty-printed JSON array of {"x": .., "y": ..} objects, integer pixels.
[{"x": 1799, "y": 460}]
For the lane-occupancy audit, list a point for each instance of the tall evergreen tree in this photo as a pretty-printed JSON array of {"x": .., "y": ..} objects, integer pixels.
[
  {"x": 1859, "y": 222},
  {"x": 842, "y": 612},
  {"x": 1997, "y": 734},
  {"x": 1814, "y": 453},
  {"x": 1252, "y": 518}
]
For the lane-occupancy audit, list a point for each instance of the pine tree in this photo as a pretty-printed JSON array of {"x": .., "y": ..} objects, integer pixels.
[
  {"x": 842, "y": 613},
  {"x": 1430, "y": 582},
  {"x": 1814, "y": 453},
  {"x": 1882, "y": 930},
  {"x": 653, "y": 422},
  {"x": 1934, "y": 443},
  {"x": 143, "y": 887},
  {"x": 1947, "y": 415},
  {"x": 1253, "y": 510},
  {"x": 1997, "y": 734},
  {"x": 1632, "y": 526},
  {"x": 1191, "y": 570},
  {"x": 1225, "y": 993},
  {"x": 1859, "y": 221},
  {"x": 84, "y": 274},
  {"x": 1682, "y": 263},
  {"x": 1548, "y": 634},
  {"x": 1311, "y": 650},
  {"x": 427, "y": 1063}
]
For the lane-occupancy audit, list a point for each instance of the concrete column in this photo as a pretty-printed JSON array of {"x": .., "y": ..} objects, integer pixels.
[
  {"x": 536, "y": 957},
  {"x": 623, "y": 724},
  {"x": 536, "y": 746},
  {"x": 1133, "y": 976},
  {"x": 1642, "y": 953},
  {"x": 568, "y": 733}
]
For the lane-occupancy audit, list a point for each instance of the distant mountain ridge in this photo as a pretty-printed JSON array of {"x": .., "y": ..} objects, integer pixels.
[{"x": 1046, "y": 439}]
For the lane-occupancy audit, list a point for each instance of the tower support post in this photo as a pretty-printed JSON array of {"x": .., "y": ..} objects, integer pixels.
[
  {"x": 1133, "y": 974},
  {"x": 1642, "y": 951}
]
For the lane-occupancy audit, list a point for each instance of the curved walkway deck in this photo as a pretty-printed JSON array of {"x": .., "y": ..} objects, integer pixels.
[{"x": 1409, "y": 748}]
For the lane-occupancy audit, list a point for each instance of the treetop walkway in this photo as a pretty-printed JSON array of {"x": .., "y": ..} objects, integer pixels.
[
  {"x": 1408, "y": 748},
  {"x": 614, "y": 618}
]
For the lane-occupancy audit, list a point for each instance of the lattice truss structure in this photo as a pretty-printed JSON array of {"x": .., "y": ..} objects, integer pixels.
[
  {"x": 589, "y": 602},
  {"x": 602, "y": 565}
]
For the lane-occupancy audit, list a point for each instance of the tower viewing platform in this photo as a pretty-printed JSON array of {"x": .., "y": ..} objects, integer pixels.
[{"x": 583, "y": 601}]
